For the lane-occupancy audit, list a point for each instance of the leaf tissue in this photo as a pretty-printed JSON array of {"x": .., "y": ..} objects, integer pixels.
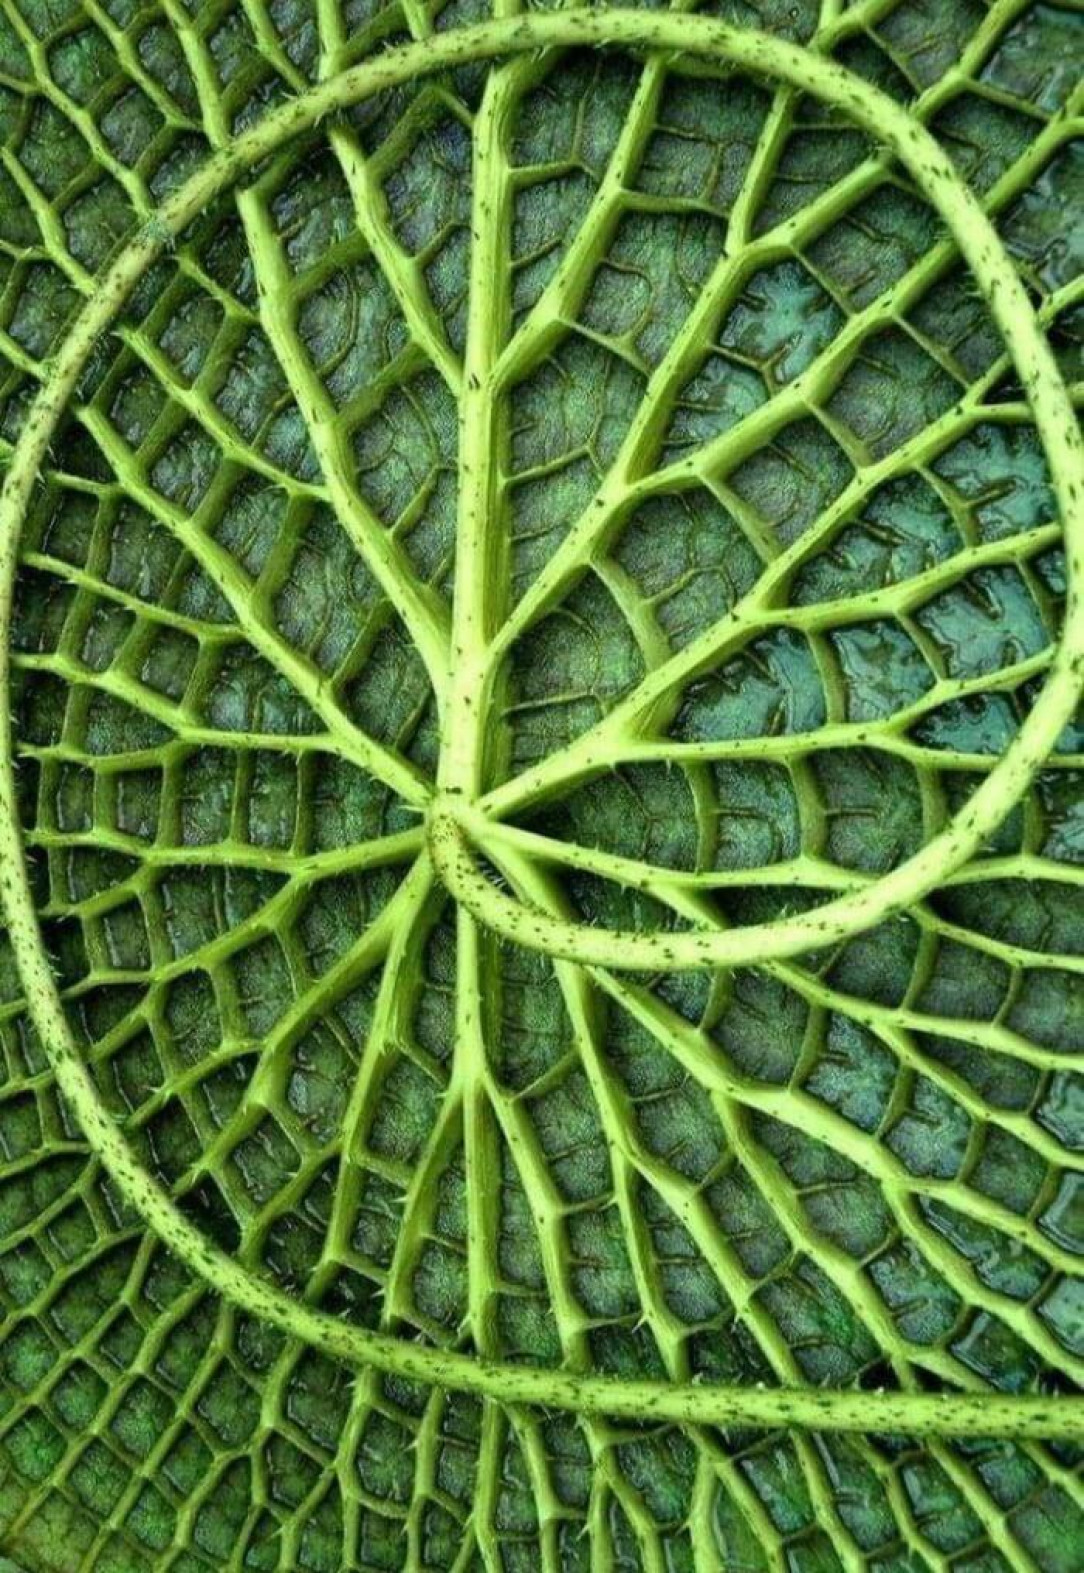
[{"x": 541, "y": 828}]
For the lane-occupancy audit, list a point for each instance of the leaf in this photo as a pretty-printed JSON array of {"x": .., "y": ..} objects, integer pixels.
[{"x": 543, "y": 1010}]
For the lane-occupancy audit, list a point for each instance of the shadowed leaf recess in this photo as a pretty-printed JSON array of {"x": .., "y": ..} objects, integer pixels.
[{"x": 541, "y": 836}]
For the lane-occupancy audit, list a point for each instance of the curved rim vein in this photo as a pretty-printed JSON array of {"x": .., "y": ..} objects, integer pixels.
[{"x": 954, "y": 1414}]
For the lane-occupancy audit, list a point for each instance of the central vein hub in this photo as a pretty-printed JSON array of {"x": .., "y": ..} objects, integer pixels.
[
  {"x": 454, "y": 826},
  {"x": 447, "y": 816}
]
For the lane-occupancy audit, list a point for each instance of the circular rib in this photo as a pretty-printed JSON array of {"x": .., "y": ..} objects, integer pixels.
[{"x": 955, "y": 1414}]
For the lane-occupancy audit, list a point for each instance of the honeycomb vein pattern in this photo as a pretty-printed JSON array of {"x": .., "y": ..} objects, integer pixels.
[{"x": 644, "y": 403}]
